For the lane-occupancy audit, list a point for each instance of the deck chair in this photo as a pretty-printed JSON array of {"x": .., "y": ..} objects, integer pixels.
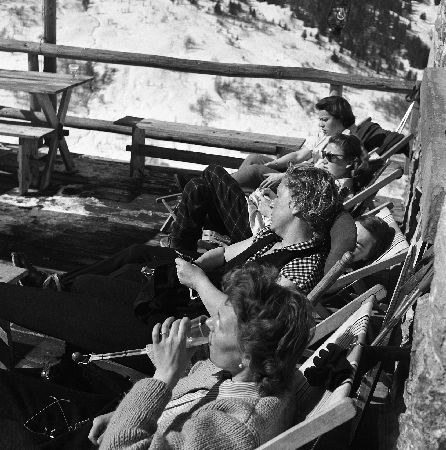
[
  {"x": 394, "y": 255},
  {"x": 328, "y": 409}
]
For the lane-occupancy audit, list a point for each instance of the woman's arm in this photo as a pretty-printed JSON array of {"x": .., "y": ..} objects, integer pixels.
[{"x": 294, "y": 157}]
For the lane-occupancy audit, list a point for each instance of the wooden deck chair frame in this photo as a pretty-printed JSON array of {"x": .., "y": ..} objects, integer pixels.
[{"x": 333, "y": 408}]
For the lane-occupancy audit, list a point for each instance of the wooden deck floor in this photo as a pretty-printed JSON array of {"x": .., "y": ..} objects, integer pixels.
[{"x": 83, "y": 216}]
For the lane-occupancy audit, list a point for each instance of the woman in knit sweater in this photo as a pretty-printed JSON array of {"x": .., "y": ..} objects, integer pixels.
[{"x": 241, "y": 396}]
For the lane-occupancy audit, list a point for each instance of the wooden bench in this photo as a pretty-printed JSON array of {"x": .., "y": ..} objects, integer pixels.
[
  {"x": 198, "y": 135},
  {"x": 29, "y": 137}
]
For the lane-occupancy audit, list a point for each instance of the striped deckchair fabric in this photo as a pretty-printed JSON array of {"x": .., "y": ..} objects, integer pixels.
[
  {"x": 395, "y": 254},
  {"x": 328, "y": 409}
]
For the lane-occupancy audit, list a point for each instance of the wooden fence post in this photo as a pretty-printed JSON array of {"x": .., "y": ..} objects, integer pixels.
[
  {"x": 49, "y": 37},
  {"x": 336, "y": 89}
]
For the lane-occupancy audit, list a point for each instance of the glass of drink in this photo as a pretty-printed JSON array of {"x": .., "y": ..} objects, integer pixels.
[
  {"x": 74, "y": 70},
  {"x": 198, "y": 333}
]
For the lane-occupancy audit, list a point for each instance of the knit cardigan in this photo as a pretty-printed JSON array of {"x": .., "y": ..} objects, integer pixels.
[{"x": 225, "y": 423}]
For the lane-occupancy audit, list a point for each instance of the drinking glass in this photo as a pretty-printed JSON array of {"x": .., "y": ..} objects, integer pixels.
[
  {"x": 74, "y": 70},
  {"x": 199, "y": 332}
]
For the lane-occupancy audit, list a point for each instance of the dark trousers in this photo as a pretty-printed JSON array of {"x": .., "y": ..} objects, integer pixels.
[
  {"x": 215, "y": 197},
  {"x": 122, "y": 264},
  {"x": 31, "y": 408},
  {"x": 96, "y": 323}
]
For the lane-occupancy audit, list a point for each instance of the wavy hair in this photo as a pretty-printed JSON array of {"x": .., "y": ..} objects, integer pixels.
[
  {"x": 382, "y": 234},
  {"x": 274, "y": 324},
  {"x": 339, "y": 108},
  {"x": 315, "y": 194}
]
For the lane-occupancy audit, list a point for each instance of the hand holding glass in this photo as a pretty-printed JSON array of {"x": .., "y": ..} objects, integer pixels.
[{"x": 197, "y": 335}]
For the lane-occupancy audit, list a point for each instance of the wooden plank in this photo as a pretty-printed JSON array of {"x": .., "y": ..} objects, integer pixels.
[
  {"x": 10, "y": 273},
  {"x": 137, "y": 160},
  {"x": 27, "y": 149},
  {"x": 217, "y": 137},
  {"x": 23, "y": 130},
  {"x": 33, "y": 65},
  {"x": 174, "y": 154},
  {"x": 207, "y": 67},
  {"x": 38, "y": 82},
  {"x": 333, "y": 322},
  {"x": 375, "y": 187},
  {"x": 368, "y": 270},
  {"x": 309, "y": 430}
]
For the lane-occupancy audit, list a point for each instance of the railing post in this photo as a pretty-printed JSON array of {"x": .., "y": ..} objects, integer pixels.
[
  {"x": 33, "y": 65},
  {"x": 49, "y": 37},
  {"x": 336, "y": 89}
]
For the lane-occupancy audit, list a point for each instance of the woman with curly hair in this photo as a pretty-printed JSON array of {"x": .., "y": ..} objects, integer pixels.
[{"x": 241, "y": 396}]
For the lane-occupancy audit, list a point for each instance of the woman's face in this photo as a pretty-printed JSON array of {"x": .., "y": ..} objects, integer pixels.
[
  {"x": 328, "y": 124},
  {"x": 282, "y": 210},
  {"x": 223, "y": 345},
  {"x": 334, "y": 162},
  {"x": 364, "y": 243}
]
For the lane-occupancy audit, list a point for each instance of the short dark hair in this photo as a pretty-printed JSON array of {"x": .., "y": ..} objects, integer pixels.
[
  {"x": 274, "y": 324},
  {"x": 339, "y": 108},
  {"x": 382, "y": 233},
  {"x": 352, "y": 149},
  {"x": 315, "y": 194},
  {"x": 349, "y": 144}
]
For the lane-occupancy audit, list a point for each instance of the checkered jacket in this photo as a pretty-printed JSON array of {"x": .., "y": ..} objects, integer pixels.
[{"x": 304, "y": 272}]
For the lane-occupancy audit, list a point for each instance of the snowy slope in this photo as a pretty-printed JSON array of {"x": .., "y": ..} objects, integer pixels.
[{"x": 180, "y": 29}]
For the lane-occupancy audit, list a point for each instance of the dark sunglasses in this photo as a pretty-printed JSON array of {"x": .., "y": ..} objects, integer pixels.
[{"x": 330, "y": 157}]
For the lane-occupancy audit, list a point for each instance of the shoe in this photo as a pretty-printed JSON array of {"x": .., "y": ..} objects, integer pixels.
[
  {"x": 35, "y": 278},
  {"x": 203, "y": 246},
  {"x": 52, "y": 282},
  {"x": 165, "y": 241},
  {"x": 215, "y": 238}
]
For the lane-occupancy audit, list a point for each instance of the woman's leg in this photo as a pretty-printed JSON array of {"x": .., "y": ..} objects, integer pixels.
[
  {"x": 137, "y": 253},
  {"x": 229, "y": 202},
  {"x": 95, "y": 323},
  {"x": 254, "y": 159},
  {"x": 250, "y": 177},
  {"x": 216, "y": 195}
]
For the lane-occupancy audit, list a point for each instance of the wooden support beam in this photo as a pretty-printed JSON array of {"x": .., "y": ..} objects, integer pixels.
[
  {"x": 336, "y": 89},
  {"x": 208, "y": 67},
  {"x": 33, "y": 65},
  {"x": 49, "y": 36},
  {"x": 174, "y": 154}
]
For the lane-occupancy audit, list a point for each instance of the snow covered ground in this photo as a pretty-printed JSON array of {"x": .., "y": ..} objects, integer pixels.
[{"x": 178, "y": 28}]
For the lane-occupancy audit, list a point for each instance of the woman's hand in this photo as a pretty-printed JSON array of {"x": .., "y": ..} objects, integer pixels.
[
  {"x": 100, "y": 424},
  {"x": 272, "y": 180},
  {"x": 189, "y": 274},
  {"x": 169, "y": 350},
  {"x": 265, "y": 203}
]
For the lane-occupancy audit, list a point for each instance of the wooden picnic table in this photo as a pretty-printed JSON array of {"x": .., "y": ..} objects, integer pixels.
[{"x": 43, "y": 85}]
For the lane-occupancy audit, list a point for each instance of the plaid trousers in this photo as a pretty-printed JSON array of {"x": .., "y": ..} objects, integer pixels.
[{"x": 213, "y": 198}]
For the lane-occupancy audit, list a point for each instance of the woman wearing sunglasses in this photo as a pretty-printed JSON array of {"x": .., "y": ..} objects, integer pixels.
[
  {"x": 342, "y": 157},
  {"x": 335, "y": 116}
]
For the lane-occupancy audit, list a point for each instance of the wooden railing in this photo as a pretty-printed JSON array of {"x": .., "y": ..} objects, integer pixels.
[{"x": 33, "y": 49}]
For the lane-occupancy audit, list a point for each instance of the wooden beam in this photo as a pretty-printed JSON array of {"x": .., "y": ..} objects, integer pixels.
[
  {"x": 336, "y": 89},
  {"x": 49, "y": 37},
  {"x": 249, "y": 142},
  {"x": 33, "y": 65},
  {"x": 174, "y": 154},
  {"x": 208, "y": 67}
]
